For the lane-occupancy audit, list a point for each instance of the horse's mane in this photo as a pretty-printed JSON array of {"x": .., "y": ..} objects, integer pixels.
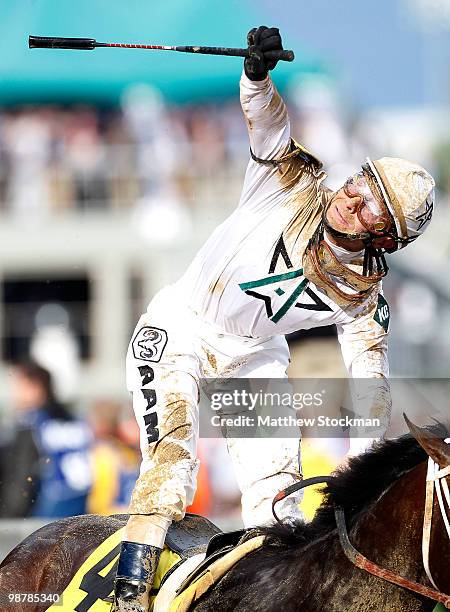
[{"x": 355, "y": 488}]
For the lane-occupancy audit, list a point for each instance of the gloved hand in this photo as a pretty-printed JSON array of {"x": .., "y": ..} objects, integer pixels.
[{"x": 260, "y": 40}]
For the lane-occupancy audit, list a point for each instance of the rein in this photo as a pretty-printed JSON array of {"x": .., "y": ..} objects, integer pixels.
[
  {"x": 372, "y": 568},
  {"x": 435, "y": 481}
]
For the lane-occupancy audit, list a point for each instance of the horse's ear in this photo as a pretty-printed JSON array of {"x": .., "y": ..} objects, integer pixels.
[{"x": 434, "y": 446}]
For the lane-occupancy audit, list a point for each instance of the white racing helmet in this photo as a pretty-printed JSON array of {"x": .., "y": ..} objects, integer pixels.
[{"x": 408, "y": 191}]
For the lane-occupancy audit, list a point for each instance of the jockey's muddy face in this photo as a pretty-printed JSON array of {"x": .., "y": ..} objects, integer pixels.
[{"x": 356, "y": 214}]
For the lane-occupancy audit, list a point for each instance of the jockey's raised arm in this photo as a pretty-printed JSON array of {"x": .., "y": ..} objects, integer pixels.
[{"x": 266, "y": 117}]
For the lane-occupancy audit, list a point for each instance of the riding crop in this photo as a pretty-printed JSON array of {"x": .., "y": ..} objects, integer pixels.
[{"x": 88, "y": 44}]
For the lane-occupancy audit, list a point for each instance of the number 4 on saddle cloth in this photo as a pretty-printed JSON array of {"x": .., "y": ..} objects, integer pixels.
[{"x": 196, "y": 555}]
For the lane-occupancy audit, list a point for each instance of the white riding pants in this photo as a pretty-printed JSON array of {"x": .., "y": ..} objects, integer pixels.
[{"x": 171, "y": 351}]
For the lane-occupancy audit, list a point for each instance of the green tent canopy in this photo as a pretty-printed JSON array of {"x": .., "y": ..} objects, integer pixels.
[{"x": 101, "y": 75}]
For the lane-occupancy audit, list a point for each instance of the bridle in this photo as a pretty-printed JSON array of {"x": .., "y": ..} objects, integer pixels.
[{"x": 435, "y": 482}]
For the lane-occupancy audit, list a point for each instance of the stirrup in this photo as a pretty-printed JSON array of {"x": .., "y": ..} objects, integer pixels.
[{"x": 135, "y": 575}]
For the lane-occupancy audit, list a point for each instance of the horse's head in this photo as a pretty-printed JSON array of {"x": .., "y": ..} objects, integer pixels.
[{"x": 433, "y": 445}]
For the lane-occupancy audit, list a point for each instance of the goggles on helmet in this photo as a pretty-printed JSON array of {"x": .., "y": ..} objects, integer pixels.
[{"x": 372, "y": 214}]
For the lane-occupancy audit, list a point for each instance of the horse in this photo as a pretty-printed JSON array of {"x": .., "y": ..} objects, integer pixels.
[{"x": 301, "y": 566}]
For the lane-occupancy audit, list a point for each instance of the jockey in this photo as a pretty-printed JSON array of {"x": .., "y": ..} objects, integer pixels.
[{"x": 293, "y": 255}]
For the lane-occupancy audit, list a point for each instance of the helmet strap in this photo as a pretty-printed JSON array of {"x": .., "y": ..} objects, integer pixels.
[
  {"x": 374, "y": 259},
  {"x": 374, "y": 256}
]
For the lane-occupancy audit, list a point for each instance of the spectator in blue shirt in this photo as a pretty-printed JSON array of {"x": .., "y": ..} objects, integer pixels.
[{"x": 45, "y": 466}]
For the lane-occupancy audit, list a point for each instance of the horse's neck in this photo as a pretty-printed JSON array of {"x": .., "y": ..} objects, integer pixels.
[
  {"x": 318, "y": 575},
  {"x": 390, "y": 532}
]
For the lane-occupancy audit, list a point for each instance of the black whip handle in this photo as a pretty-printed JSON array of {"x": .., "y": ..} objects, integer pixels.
[{"x": 50, "y": 42}]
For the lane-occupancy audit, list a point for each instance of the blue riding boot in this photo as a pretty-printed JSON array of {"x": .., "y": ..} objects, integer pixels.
[{"x": 135, "y": 575}]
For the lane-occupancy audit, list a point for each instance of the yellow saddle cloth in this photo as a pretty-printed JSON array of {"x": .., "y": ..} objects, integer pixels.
[{"x": 93, "y": 582}]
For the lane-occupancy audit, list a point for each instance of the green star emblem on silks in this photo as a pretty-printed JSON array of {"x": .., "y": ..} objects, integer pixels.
[{"x": 272, "y": 280}]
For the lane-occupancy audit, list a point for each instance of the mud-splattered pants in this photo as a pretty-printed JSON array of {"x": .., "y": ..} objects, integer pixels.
[{"x": 171, "y": 351}]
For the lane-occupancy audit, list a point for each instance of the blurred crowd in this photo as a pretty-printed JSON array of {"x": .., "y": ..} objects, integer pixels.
[
  {"x": 54, "y": 159},
  {"x": 55, "y": 464},
  {"x": 144, "y": 152}
]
